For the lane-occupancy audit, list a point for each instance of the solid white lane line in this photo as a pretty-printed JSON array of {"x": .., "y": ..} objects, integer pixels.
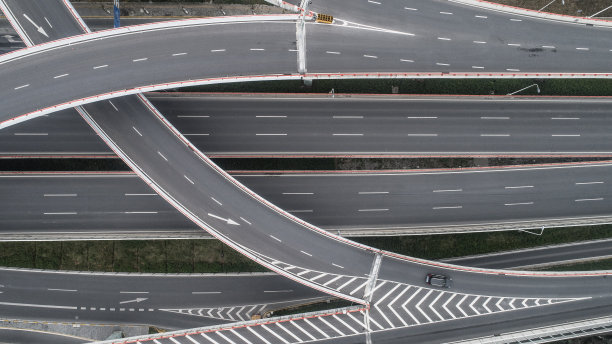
[
  {"x": 481, "y": 17},
  {"x": 347, "y": 134},
  {"x": 519, "y": 187},
  {"x": 179, "y": 54},
  {"x": 257, "y": 49},
  {"x": 585, "y": 49},
  {"x": 404, "y": 60},
  {"x": 298, "y": 193},
  {"x": 128, "y": 194},
  {"x": 453, "y": 207},
  {"x": 565, "y": 135},
  {"x": 217, "y": 50},
  {"x": 60, "y": 76},
  {"x": 279, "y": 116},
  {"x": 275, "y": 238},
  {"x": 114, "y": 107},
  {"x": 205, "y": 292},
  {"x": 31, "y": 134},
  {"x": 270, "y": 134},
  {"x": 347, "y": 117},
  {"x": 160, "y": 154},
  {"x": 449, "y": 190},
  {"x": 373, "y": 192},
  {"x": 370, "y": 56},
  {"x": 306, "y": 253},
  {"x": 67, "y": 290},
  {"x": 338, "y": 266},
  {"x": 588, "y": 183},
  {"x": 64, "y": 213},
  {"x": 494, "y": 117},
  {"x": 245, "y": 221},
  {"x": 188, "y": 179},
  {"x": 494, "y": 135},
  {"x": 101, "y": 66},
  {"x": 419, "y": 135},
  {"x": 214, "y": 199},
  {"x": 60, "y": 195},
  {"x": 444, "y": 39},
  {"x": 589, "y": 199},
  {"x": 523, "y": 203},
  {"x": 22, "y": 86},
  {"x": 422, "y": 117},
  {"x": 372, "y": 210},
  {"x": 565, "y": 118},
  {"x": 333, "y": 52},
  {"x": 140, "y": 59}
]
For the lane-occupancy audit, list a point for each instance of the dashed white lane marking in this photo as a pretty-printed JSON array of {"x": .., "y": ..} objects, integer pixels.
[
  {"x": 298, "y": 193},
  {"x": 373, "y": 192},
  {"x": 453, "y": 207},
  {"x": 301, "y": 211},
  {"x": 217, "y": 50},
  {"x": 480, "y": 42},
  {"x": 405, "y": 60},
  {"x": 66, "y": 290},
  {"x": 519, "y": 187},
  {"x": 64, "y": 213},
  {"x": 419, "y": 135},
  {"x": 588, "y": 183},
  {"x": 114, "y": 107},
  {"x": 306, "y": 253},
  {"x": 31, "y": 134},
  {"x": 481, "y": 17},
  {"x": 214, "y": 199},
  {"x": 442, "y": 64},
  {"x": 444, "y": 39},
  {"x": 333, "y": 52},
  {"x": 410, "y": 9},
  {"x": 589, "y": 199},
  {"x": 514, "y": 44},
  {"x": 179, "y": 54},
  {"x": 60, "y": 76},
  {"x": 371, "y": 56},
  {"x": 373, "y": 2},
  {"x": 347, "y": 134},
  {"x": 520, "y": 203},
  {"x": 494, "y": 135},
  {"x": 133, "y": 292},
  {"x": 347, "y": 117},
  {"x": 22, "y": 86},
  {"x": 565, "y": 118},
  {"x": 136, "y": 130},
  {"x": 449, "y": 190},
  {"x": 494, "y": 117},
  {"x": 160, "y": 154},
  {"x": 338, "y": 266},
  {"x": 140, "y": 59},
  {"x": 48, "y": 23},
  {"x": 140, "y": 212},
  {"x": 513, "y": 70},
  {"x": 271, "y": 116},
  {"x": 191, "y": 181},
  {"x": 60, "y": 195},
  {"x": 549, "y": 46},
  {"x": 293, "y": 50},
  {"x": 565, "y": 135},
  {"x": 205, "y": 292},
  {"x": 129, "y": 194},
  {"x": 192, "y": 116},
  {"x": 372, "y": 210},
  {"x": 585, "y": 49},
  {"x": 281, "y": 134},
  {"x": 516, "y": 20},
  {"x": 196, "y": 134},
  {"x": 101, "y": 66},
  {"x": 422, "y": 117},
  {"x": 275, "y": 238},
  {"x": 247, "y": 222},
  {"x": 449, "y": 13},
  {"x": 257, "y": 49}
]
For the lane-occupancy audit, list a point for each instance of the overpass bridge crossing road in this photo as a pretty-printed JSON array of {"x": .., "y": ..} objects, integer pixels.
[{"x": 215, "y": 201}]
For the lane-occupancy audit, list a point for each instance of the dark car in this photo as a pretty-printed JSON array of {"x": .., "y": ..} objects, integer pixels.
[{"x": 439, "y": 281}]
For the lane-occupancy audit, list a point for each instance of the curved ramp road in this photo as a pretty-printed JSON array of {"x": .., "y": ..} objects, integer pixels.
[
  {"x": 435, "y": 201},
  {"x": 249, "y": 125}
]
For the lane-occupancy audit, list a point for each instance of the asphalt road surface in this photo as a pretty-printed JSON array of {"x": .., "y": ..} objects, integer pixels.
[
  {"x": 440, "y": 200},
  {"x": 296, "y": 125}
]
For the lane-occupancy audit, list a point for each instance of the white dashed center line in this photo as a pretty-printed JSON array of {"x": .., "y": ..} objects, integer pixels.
[
  {"x": 372, "y": 210},
  {"x": 214, "y": 199},
  {"x": 306, "y": 253},
  {"x": 494, "y": 117},
  {"x": 519, "y": 187},
  {"x": 444, "y": 38},
  {"x": 422, "y": 135},
  {"x": 60, "y": 76},
  {"x": 523, "y": 203},
  {"x": 160, "y": 154},
  {"x": 480, "y": 42},
  {"x": 333, "y": 52},
  {"x": 218, "y": 50},
  {"x": 410, "y": 9},
  {"x": 589, "y": 199},
  {"x": 347, "y": 134},
  {"x": 568, "y": 118},
  {"x": 298, "y": 193},
  {"x": 442, "y": 64},
  {"x": 275, "y": 238},
  {"x": 481, "y": 17},
  {"x": 191, "y": 181},
  {"x": 101, "y": 66},
  {"x": 516, "y": 20},
  {"x": 140, "y": 59},
  {"x": 404, "y": 60},
  {"x": 495, "y": 135},
  {"x": 113, "y": 105},
  {"x": 446, "y": 13},
  {"x": 585, "y": 49},
  {"x": 373, "y": 192},
  {"x": 565, "y": 135},
  {"x": 588, "y": 183},
  {"x": 136, "y": 130},
  {"x": 179, "y": 54},
  {"x": 370, "y": 56},
  {"x": 270, "y": 134},
  {"x": 514, "y": 44},
  {"x": 60, "y": 195},
  {"x": 453, "y": 207},
  {"x": 257, "y": 49},
  {"x": 22, "y": 86},
  {"x": 450, "y": 190},
  {"x": 422, "y": 117},
  {"x": 513, "y": 70}
]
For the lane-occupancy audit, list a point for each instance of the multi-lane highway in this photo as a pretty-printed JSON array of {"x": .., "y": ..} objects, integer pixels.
[
  {"x": 355, "y": 125},
  {"x": 436, "y": 201}
]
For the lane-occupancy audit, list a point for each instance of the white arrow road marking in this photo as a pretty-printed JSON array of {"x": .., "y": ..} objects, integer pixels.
[
  {"x": 139, "y": 299},
  {"x": 10, "y": 39},
  {"x": 228, "y": 221},
  {"x": 38, "y": 28}
]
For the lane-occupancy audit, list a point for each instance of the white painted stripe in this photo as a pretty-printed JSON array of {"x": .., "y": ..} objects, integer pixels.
[
  {"x": 422, "y": 117},
  {"x": 338, "y": 266},
  {"x": 445, "y": 306},
  {"x": 589, "y": 199},
  {"x": 480, "y": 42},
  {"x": 214, "y": 199},
  {"x": 442, "y": 64},
  {"x": 271, "y": 116},
  {"x": 444, "y": 39},
  {"x": 347, "y": 117},
  {"x": 220, "y": 334},
  {"x": 359, "y": 287},
  {"x": 140, "y": 194},
  {"x": 405, "y": 60},
  {"x": 140, "y": 212},
  {"x": 217, "y": 50},
  {"x": 245, "y": 221},
  {"x": 270, "y": 134},
  {"x": 585, "y": 49},
  {"x": 318, "y": 277},
  {"x": 347, "y": 134},
  {"x": 347, "y": 283},
  {"x": 522, "y": 203},
  {"x": 274, "y": 334},
  {"x": 344, "y": 323},
  {"x": 316, "y": 328},
  {"x": 332, "y": 281},
  {"x": 257, "y": 49},
  {"x": 275, "y": 238},
  {"x": 373, "y": 192},
  {"x": 298, "y": 193},
  {"x": 519, "y": 187},
  {"x": 205, "y": 292},
  {"x": 494, "y": 135},
  {"x": 418, "y": 135},
  {"x": 60, "y": 195},
  {"x": 514, "y": 44},
  {"x": 22, "y": 86},
  {"x": 140, "y": 59},
  {"x": 372, "y": 210},
  {"x": 449, "y": 190},
  {"x": 431, "y": 306},
  {"x": 294, "y": 323},
  {"x": 288, "y": 332},
  {"x": 191, "y": 181},
  {"x": 257, "y": 335},
  {"x": 565, "y": 118},
  {"x": 446, "y": 13},
  {"x": 481, "y": 17},
  {"x": 160, "y": 154},
  {"x": 494, "y": 117},
  {"x": 515, "y": 20},
  {"x": 67, "y": 290},
  {"x": 64, "y": 213},
  {"x": 31, "y": 134},
  {"x": 240, "y": 336},
  {"x": 133, "y": 292},
  {"x": 513, "y": 70},
  {"x": 565, "y": 135},
  {"x": 306, "y": 253},
  {"x": 406, "y": 309},
  {"x": 101, "y": 66},
  {"x": 451, "y": 207},
  {"x": 459, "y": 305},
  {"x": 31, "y": 305},
  {"x": 179, "y": 54},
  {"x": 549, "y": 46},
  {"x": 331, "y": 326},
  {"x": 589, "y": 183},
  {"x": 136, "y": 130},
  {"x": 60, "y": 76},
  {"x": 418, "y": 305},
  {"x": 410, "y": 9}
]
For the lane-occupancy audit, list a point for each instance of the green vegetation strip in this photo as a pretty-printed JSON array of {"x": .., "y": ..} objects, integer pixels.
[{"x": 201, "y": 256}]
